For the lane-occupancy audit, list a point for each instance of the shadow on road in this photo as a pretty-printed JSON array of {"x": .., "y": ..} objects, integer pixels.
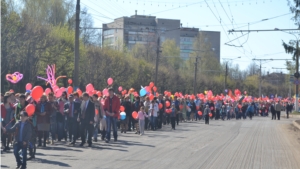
[
  {"x": 52, "y": 162},
  {"x": 60, "y": 149},
  {"x": 4, "y": 166},
  {"x": 133, "y": 143}
]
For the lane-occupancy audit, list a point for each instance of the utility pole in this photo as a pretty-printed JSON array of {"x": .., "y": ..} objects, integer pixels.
[
  {"x": 226, "y": 73},
  {"x": 195, "y": 76},
  {"x": 297, "y": 76},
  {"x": 226, "y": 70},
  {"x": 259, "y": 92},
  {"x": 76, "y": 52},
  {"x": 157, "y": 58}
]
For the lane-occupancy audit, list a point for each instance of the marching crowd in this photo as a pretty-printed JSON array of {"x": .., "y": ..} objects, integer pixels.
[{"x": 74, "y": 116}]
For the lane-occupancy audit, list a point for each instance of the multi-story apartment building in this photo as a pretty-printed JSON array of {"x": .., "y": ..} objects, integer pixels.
[{"x": 142, "y": 29}]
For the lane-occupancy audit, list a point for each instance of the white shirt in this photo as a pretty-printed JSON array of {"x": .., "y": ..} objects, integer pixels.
[{"x": 154, "y": 108}]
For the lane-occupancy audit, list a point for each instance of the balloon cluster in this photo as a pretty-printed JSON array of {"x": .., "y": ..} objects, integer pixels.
[{"x": 15, "y": 77}]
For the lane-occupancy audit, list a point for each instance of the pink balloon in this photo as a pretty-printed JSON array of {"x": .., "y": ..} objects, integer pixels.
[
  {"x": 89, "y": 87},
  {"x": 105, "y": 92},
  {"x": 120, "y": 88},
  {"x": 63, "y": 89},
  {"x": 28, "y": 86},
  {"x": 110, "y": 81},
  {"x": 47, "y": 91},
  {"x": 58, "y": 92}
]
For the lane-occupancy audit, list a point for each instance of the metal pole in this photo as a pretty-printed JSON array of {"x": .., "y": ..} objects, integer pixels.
[
  {"x": 157, "y": 57},
  {"x": 195, "y": 76},
  {"x": 259, "y": 80},
  {"x": 76, "y": 58},
  {"x": 297, "y": 72},
  {"x": 226, "y": 72}
]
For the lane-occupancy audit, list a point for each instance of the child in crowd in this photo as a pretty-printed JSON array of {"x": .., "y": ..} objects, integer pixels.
[{"x": 141, "y": 118}]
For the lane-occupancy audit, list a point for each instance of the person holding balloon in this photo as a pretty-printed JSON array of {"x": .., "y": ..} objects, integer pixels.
[
  {"x": 53, "y": 116},
  {"x": 111, "y": 108},
  {"x": 153, "y": 111},
  {"x": 128, "y": 110},
  {"x": 20, "y": 106}
]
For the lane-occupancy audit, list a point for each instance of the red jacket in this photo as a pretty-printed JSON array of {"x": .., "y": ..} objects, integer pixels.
[
  {"x": 115, "y": 105},
  {"x": 3, "y": 110}
]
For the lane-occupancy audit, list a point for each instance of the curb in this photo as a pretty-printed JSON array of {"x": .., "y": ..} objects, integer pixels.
[{"x": 296, "y": 124}]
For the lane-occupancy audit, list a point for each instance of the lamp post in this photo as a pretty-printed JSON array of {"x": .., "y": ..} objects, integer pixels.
[{"x": 226, "y": 69}]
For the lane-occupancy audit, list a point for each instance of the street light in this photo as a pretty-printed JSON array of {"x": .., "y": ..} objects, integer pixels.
[{"x": 226, "y": 69}]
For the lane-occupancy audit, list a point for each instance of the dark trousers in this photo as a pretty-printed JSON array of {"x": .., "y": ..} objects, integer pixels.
[
  {"x": 206, "y": 119},
  {"x": 17, "y": 147},
  {"x": 86, "y": 128},
  {"x": 287, "y": 114},
  {"x": 177, "y": 118},
  {"x": 274, "y": 115},
  {"x": 159, "y": 120},
  {"x": 250, "y": 115},
  {"x": 72, "y": 128},
  {"x": 131, "y": 123},
  {"x": 217, "y": 114},
  {"x": 44, "y": 135},
  {"x": 173, "y": 122},
  {"x": 53, "y": 127},
  {"x": 111, "y": 122},
  {"x": 153, "y": 123},
  {"x": 278, "y": 114}
]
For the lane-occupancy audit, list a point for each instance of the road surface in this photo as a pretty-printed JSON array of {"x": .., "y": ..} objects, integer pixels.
[{"x": 236, "y": 144}]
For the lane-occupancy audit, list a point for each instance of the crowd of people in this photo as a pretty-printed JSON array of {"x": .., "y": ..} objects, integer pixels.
[{"x": 73, "y": 116}]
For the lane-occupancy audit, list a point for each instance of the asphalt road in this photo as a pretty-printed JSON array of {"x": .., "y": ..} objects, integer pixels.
[{"x": 258, "y": 143}]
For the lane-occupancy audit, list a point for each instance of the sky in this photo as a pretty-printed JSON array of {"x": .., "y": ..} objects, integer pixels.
[{"x": 216, "y": 15}]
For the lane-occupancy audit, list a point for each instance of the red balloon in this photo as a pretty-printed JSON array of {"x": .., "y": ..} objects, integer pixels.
[
  {"x": 151, "y": 97},
  {"x": 110, "y": 81},
  {"x": 151, "y": 84},
  {"x": 47, "y": 91},
  {"x": 90, "y": 93},
  {"x": 122, "y": 108},
  {"x": 148, "y": 89},
  {"x": 160, "y": 106},
  {"x": 210, "y": 115},
  {"x": 96, "y": 111},
  {"x": 94, "y": 91},
  {"x": 154, "y": 88},
  {"x": 37, "y": 92},
  {"x": 200, "y": 113},
  {"x": 99, "y": 94},
  {"x": 120, "y": 88},
  {"x": 58, "y": 92},
  {"x": 28, "y": 86},
  {"x": 168, "y": 104},
  {"x": 70, "y": 81},
  {"x": 135, "y": 115},
  {"x": 70, "y": 89},
  {"x": 105, "y": 92},
  {"x": 30, "y": 109},
  {"x": 79, "y": 92},
  {"x": 89, "y": 87}
]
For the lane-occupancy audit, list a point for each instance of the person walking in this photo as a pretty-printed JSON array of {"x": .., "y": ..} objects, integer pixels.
[
  {"x": 128, "y": 110},
  {"x": 43, "y": 112},
  {"x": 53, "y": 117},
  {"x": 153, "y": 111},
  {"x": 72, "y": 110},
  {"x": 23, "y": 132},
  {"x": 86, "y": 119},
  {"x": 289, "y": 108},
  {"x": 173, "y": 116},
  {"x": 278, "y": 108},
  {"x": 206, "y": 114},
  {"x": 7, "y": 113},
  {"x": 111, "y": 108},
  {"x": 223, "y": 112},
  {"x": 273, "y": 111},
  {"x": 141, "y": 118}
]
